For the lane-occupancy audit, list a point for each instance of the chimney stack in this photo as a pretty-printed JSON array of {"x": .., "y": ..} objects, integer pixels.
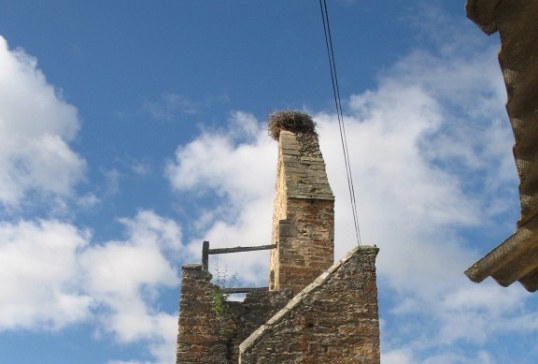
[{"x": 303, "y": 212}]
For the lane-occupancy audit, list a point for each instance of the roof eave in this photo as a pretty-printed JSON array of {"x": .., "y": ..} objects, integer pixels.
[
  {"x": 481, "y": 12},
  {"x": 515, "y": 259}
]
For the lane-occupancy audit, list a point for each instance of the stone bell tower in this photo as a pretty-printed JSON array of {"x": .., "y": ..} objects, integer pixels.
[{"x": 303, "y": 212}]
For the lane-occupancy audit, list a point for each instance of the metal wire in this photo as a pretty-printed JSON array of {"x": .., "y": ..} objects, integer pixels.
[{"x": 338, "y": 104}]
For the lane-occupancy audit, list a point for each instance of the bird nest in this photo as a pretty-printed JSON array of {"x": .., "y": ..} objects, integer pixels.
[{"x": 290, "y": 120}]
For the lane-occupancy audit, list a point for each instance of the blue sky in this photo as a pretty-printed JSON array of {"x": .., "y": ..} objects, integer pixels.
[{"x": 131, "y": 131}]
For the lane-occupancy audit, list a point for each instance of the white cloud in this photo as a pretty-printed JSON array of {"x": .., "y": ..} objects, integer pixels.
[
  {"x": 454, "y": 358},
  {"x": 169, "y": 105},
  {"x": 141, "y": 167},
  {"x": 53, "y": 277},
  {"x": 425, "y": 169},
  {"x": 218, "y": 159},
  {"x": 125, "y": 277},
  {"x": 238, "y": 165},
  {"x": 40, "y": 275},
  {"x": 402, "y": 143},
  {"x": 35, "y": 127},
  {"x": 401, "y": 356}
]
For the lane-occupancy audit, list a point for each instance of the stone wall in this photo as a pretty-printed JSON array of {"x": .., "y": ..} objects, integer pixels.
[
  {"x": 198, "y": 338},
  {"x": 303, "y": 214},
  {"x": 333, "y": 320},
  {"x": 247, "y": 316},
  {"x": 212, "y": 336}
]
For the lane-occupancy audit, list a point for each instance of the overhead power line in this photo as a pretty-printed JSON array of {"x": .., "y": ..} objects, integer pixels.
[{"x": 338, "y": 104}]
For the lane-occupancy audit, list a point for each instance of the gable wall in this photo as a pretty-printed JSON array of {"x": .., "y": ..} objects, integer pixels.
[{"x": 334, "y": 320}]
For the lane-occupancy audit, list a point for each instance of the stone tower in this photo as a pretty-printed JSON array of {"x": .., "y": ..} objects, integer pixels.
[
  {"x": 313, "y": 311},
  {"x": 303, "y": 212}
]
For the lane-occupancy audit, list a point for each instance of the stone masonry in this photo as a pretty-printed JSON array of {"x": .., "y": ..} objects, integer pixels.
[
  {"x": 303, "y": 215},
  {"x": 314, "y": 311},
  {"x": 333, "y": 320},
  {"x": 205, "y": 336}
]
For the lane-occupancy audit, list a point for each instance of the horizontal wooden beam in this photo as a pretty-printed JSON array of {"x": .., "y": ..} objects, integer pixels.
[
  {"x": 239, "y": 249},
  {"x": 243, "y": 290}
]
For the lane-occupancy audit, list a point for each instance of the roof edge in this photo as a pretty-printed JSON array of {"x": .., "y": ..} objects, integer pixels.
[
  {"x": 481, "y": 12},
  {"x": 497, "y": 257}
]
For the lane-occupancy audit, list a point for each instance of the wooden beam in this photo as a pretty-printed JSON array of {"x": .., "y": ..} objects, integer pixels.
[
  {"x": 243, "y": 290},
  {"x": 239, "y": 249},
  {"x": 205, "y": 257}
]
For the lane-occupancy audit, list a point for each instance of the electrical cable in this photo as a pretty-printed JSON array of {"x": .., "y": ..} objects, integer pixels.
[{"x": 338, "y": 105}]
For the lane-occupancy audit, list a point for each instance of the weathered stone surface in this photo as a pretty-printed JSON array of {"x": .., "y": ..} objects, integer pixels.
[
  {"x": 482, "y": 13},
  {"x": 333, "y": 320},
  {"x": 517, "y": 257},
  {"x": 203, "y": 336},
  {"x": 198, "y": 337},
  {"x": 257, "y": 308},
  {"x": 303, "y": 215},
  {"x": 518, "y": 58}
]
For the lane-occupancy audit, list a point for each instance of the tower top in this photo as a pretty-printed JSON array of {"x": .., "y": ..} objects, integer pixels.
[{"x": 290, "y": 120}]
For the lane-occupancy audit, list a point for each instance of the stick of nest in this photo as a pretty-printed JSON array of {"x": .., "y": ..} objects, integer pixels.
[{"x": 290, "y": 120}]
